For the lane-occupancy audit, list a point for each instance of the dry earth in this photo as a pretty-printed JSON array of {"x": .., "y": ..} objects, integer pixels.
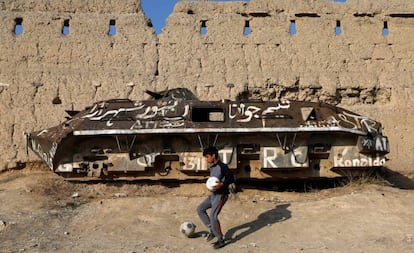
[{"x": 38, "y": 213}]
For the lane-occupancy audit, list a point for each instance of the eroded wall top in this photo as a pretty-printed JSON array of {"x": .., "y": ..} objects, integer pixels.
[{"x": 72, "y": 6}]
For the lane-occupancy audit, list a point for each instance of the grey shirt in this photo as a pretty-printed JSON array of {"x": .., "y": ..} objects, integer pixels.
[{"x": 220, "y": 170}]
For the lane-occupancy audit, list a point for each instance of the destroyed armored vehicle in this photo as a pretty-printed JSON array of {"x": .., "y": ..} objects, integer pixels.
[{"x": 164, "y": 137}]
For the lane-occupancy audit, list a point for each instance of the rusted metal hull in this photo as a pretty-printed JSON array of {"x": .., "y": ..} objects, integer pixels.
[{"x": 163, "y": 138}]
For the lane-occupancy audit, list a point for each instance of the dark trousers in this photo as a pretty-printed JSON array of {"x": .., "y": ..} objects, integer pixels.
[{"x": 216, "y": 203}]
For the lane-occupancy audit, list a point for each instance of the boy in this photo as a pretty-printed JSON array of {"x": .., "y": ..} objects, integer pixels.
[{"x": 217, "y": 198}]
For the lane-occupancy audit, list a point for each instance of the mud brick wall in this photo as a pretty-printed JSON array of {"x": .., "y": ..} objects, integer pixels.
[{"x": 205, "y": 47}]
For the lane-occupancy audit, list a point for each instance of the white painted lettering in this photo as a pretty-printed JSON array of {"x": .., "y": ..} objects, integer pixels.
[
  {"x": 269, "y": 156},
  {"x": 226, "y": 155},
  {"x": 146, "y": 160}
]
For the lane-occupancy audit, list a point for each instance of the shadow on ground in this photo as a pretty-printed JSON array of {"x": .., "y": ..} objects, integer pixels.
[
  {"x": 267, "y": 218},
  {"x": 397, "y": 179}
]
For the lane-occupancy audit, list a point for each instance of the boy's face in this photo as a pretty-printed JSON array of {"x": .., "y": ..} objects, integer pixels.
[{"x": 210, "y": 158}]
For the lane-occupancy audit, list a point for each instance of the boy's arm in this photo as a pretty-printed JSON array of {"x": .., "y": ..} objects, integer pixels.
[{"x": 218, "y": 186}]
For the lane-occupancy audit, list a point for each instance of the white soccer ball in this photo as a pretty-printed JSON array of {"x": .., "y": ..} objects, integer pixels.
[
  {"x": 211, "y": 183},
  {"x": 187, "y": 228}
]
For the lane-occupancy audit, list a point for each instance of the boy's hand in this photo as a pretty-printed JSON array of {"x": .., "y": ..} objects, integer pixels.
[{"x": 218, "y": 186}]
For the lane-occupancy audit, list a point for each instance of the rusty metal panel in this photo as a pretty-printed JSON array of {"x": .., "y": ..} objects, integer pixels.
[{"x": 122, "y": 162}]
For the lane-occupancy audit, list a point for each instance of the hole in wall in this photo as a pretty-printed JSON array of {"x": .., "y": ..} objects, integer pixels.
[
  {"x": 18, "y": 26},
  {"x": 292, "y": 27},
  {"x": 402, "y": 15},
  {"x": 203, "y": 27},
  {"x": 56, "y": 101},
  {"x": 112, "y": 27},
  {"x": 157, "y": 72},
  {"x": 338, "y": 28},
  {"x": 308, "y": 15},
  {"x": 259, "y": 14},
  {"x": 357, "y": 14},
  {"x": 65, "y": 28},
  {"x": 385, "y": 30},
  {"x": 247, "y": 29}
]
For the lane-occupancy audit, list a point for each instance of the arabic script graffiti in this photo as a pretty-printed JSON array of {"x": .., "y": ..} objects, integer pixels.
[
  {"x": 169, "y": 114},
  {"x": 243, "y": 113}
]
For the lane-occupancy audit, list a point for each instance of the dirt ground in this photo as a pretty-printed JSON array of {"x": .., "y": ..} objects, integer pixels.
[{"x": 41, "y": 212}]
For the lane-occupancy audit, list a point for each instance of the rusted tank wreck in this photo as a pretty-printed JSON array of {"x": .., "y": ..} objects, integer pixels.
[{"x": 163, "y": 138}]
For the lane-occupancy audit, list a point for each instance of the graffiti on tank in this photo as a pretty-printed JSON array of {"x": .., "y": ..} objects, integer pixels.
[
  {"x": 242, "y": 113},
  {"x": 45, "y": 131},
  {"x": 141, "y": 124},
  {"x": 345, "y": 160},
  {"x": 142, "y": 113},
  {"x": 96, "y": 113},
  {"x": 271, "y": 154},
  {"x": 379, "y": 143},
  {"x": 226, "y": 155},
  {"x": 192, "y": 162},
  {"x": 359, "y": 122},
  {"x": 346, "y": 120},
  {"x": 367, "y": 143},
  {"x": 195, "y": 161},
  {"x": 46, "y": 156},
  {"x": 331, "y": 121},
  {"x": 368, "y": 161},
  {"x": 147, "y": 160},
  {"x": 164, "y": 111}
]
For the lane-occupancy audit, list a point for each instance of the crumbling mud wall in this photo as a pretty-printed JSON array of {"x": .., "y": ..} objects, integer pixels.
[
  {"x": 358, "y": 55},
  {"x": 44, "y": 70}
]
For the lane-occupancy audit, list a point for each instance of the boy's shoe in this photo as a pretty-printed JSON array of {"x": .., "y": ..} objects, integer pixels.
[
  {"x": 219, "y": 244},
  {"x": 210, "y": 237}
]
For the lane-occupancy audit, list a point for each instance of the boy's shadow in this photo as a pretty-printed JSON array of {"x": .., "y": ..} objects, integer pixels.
[{"x": 277, "y": 214}]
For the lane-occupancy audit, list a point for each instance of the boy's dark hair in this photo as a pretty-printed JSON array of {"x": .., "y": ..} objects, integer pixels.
[{"x": 211, "y": 151}]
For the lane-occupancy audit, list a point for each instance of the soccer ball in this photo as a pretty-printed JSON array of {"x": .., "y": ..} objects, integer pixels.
[
  {"x": 211, "y": 182},
  {"x": 187, "y": 228}
]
